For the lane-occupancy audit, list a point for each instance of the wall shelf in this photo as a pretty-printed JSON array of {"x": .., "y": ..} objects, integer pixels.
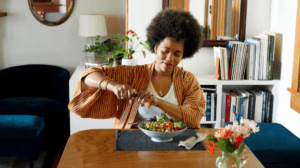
[
  {"x": 2, "y": 14},
  {"x": 209, "y": 80},
  {"x": 208, "y": 122}
]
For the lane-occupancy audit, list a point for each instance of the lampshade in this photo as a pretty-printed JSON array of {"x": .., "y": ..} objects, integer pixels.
[{"x": 92, "y": 25}]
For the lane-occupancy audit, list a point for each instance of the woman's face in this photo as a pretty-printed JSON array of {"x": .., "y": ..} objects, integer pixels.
[{"x": 169, "y": 53}]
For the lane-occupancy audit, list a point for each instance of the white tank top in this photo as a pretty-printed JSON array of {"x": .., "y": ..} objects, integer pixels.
[{"x": 144, "y": 112}]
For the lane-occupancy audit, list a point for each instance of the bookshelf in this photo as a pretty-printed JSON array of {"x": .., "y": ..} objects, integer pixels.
[{"x": 272, "y": 85}]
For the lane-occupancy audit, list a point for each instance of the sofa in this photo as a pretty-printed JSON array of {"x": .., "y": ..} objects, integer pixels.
[
  {"x": 274, "y": 146},
  {"x": 34, "y": 111}
]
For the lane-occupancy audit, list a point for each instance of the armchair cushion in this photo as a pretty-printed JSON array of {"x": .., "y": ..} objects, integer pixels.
[
  {"x": 14, "y": 127},
  {"x": 38, "y": 106},
  {"x": 273, "y": 136}
]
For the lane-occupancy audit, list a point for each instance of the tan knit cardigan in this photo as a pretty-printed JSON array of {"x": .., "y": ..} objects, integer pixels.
[{"x": 101, "y": 104}]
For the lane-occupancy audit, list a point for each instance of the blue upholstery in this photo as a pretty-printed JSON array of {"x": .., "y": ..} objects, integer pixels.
[
  {"x": 274, "y": 145},
  {"x": 20, "y": 126},
  {"x": 21, "y": 148},
  {"x": 38, "y": 95},
  {"x": 273, "y": 136},
  {"x": 38, "y": 80}
]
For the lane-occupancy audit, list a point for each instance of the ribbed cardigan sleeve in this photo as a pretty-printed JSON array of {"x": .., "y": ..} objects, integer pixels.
[
  {"x": 193, "y": 106},
  {"x": 90, "y": 103}
]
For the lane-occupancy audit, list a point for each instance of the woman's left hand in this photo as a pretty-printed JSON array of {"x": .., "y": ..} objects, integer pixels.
[{"x": 146, "y": 99}]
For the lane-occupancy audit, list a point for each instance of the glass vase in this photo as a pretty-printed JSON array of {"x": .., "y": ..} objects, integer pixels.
[
  {"x": 230, "y": 160},
  {"x": 243, "y": 157},
  {"x": 227, "y": 160}
]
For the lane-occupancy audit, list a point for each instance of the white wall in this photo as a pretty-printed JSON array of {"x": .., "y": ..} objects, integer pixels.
[
  {"x": 24, "y": 40},
  {"x": 140, "y": 14},
  {"x": 283, "y": 21},
  {"x": 197, "y": 8},
  {"x": 258, "y": 17}
]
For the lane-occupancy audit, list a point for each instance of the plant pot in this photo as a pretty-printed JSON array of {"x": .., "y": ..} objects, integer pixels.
[
  {"x": 118, "y": 60},
  {"x": 131, "y": 62}
]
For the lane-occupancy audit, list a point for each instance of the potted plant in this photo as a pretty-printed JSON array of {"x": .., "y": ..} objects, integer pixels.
[{"x": 116, "y": 46}]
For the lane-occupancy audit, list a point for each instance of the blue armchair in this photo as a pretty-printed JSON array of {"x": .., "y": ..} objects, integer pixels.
[{"x": 34, "y": 111}]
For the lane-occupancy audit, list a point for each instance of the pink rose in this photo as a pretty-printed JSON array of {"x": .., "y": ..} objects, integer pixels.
[{"x": 223, "y": 133}]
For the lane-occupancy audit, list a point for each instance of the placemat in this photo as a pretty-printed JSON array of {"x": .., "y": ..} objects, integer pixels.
[{"x": 138, "y": 141}]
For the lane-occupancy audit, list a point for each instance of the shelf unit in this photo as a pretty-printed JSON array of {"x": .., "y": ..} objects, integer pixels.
[
  {"x": 2, "y": 14},
  {"x": 271, "y": 85}
]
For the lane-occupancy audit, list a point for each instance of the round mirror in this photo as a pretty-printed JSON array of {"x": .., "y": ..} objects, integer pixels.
[{"x": 51, "y": 12}]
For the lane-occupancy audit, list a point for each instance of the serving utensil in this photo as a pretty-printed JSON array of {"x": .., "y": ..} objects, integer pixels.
[{"x": 144, "y": 121}]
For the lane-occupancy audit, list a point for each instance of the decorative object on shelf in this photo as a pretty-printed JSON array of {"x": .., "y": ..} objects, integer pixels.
[
  {"x": 231, "y": 142},
  {"x": 3, "y": 14},
  {"x": 116, "y": 45},
  {"x": 90, "y": 26},
  {"x": 51, "y": 13}
]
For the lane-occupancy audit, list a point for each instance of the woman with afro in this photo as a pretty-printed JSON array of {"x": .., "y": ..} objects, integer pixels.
[{"x": 104, "y": 92}]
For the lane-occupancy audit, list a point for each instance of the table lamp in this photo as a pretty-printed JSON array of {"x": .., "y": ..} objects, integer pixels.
[{"x": 91, "y": 26}]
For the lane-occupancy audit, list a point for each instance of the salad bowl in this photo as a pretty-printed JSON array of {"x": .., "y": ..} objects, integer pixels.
[{"x": 160, "y": 136}]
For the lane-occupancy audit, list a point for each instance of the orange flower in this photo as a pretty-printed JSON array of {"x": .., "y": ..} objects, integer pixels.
[
  {"x": 238, "y": 141},
  {"x": 223, "y": 133},
  {"x": 130, "y": 31},
  {"x": 211, "y": 147}
]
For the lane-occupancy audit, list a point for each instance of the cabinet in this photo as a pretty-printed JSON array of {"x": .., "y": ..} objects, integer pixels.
[{"x": 271, "y": 85}]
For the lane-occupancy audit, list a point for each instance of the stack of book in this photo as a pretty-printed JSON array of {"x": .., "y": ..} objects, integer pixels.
[
  {"x": 210, "y": 95},
  {"x": 252, "y": 59},
  {"x": 253, "y": 104}
]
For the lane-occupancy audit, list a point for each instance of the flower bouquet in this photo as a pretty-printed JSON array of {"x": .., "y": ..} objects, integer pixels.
[{"x": 231, "y": 142}]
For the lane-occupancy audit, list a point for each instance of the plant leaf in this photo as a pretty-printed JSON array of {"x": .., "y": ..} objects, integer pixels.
[
  {"x": 97, "y": 38},
  {"x": 111, "y": 61},
  {"x": 147, "y": 46},
  {"x": 144, "y": 53},
  {"x": 212, "y": 138},
  {"x": 241, "y": 148},
  {"x": 226, "y": 146},
  {"x": 126, "y": 38}
]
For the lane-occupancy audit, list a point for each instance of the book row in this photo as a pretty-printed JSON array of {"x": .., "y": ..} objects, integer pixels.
[
  {"x": 210, "y": 96},
  {"x": 253, "y": 104},
  {"x": 252, "y": 59}
]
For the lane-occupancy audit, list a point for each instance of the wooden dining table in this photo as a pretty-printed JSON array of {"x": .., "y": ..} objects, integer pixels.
[{"x": 95, "y": 148}]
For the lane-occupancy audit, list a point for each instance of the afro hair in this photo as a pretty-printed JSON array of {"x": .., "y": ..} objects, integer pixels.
[{"x": 179, "y": 25}]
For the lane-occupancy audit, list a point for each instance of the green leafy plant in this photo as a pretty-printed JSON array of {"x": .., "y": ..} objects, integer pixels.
[{"x": 116, "y": 46}]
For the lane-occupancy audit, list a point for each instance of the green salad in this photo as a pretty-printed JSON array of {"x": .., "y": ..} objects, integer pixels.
[{"x": 162, "y": 125}]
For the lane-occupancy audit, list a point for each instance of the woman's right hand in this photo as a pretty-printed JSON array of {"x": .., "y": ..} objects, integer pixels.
[{"x": 123, "y": 91}]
